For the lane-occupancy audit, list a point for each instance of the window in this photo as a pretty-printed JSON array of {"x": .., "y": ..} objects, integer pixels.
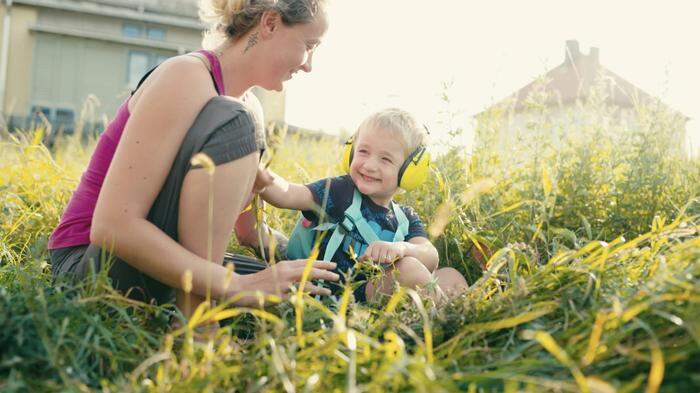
[
  {"x": 60, "y": 118},
  {"x": 132, "y": 30},
  {"x": 65, "y": 116},
  {"x": 155, "y": 33},
  {"x": 64, "y": 120},
  {"x": 136, "y": 30},
  {"x": 38, "y": 116},
  {"x": 37, "y": 109},
  {"x": 139, "y": 64}
]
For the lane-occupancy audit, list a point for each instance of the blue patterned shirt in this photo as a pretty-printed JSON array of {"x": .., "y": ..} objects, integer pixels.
[{"x": 381, "y": 219}]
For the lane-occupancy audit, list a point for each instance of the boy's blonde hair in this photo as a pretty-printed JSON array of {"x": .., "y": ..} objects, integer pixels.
[{"x": 399, "y": 122}]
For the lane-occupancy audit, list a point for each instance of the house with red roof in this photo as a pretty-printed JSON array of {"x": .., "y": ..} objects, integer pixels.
[{"x": 558, "y": 97}]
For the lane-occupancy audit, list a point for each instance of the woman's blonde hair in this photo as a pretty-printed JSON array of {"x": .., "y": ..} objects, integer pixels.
[{"x": 230, "y": 19}]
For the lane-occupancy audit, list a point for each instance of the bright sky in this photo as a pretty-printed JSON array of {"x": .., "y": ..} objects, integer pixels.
[{"x": 380, "y": 53}]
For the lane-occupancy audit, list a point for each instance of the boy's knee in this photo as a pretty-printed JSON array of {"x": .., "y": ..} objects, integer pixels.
[
  {"x": 451, "y": 280},
  {"x": 409, "y": 264},
  {"x": 449, "y": 272},
  {"x": 411, "y": 272}
]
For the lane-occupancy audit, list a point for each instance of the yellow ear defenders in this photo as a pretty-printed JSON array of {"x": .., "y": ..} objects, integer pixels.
[{"x": 413, "y": 172}]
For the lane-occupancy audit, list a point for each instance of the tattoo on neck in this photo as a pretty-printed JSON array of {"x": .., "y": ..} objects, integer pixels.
[{"x": 252, "y": 40}]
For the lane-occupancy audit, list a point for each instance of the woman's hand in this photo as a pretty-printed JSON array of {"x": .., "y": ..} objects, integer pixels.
[
  {"x": 384, "y": 252},
  {"x": 280, "y": 278}
]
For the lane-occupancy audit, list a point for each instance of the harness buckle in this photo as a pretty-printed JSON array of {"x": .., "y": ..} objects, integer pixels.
[{"x": 347, "y": 223}]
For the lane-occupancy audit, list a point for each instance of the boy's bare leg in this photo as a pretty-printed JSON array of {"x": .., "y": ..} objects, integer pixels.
[
  {"x": 451, "y": 281},
  {"x": 408, "y": 272}
]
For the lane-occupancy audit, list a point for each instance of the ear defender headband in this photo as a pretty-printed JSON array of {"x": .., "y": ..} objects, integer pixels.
[{"x": 413, "y": 172}]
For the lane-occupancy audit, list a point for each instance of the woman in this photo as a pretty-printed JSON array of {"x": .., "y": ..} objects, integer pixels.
[{"x": 150, "y": 208}]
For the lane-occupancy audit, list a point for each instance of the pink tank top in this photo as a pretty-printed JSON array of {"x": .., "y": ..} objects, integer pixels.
[{"x": 74, "y": 226}]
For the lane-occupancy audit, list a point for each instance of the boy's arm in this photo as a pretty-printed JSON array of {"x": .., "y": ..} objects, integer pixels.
[
  {"x": 417, "y": 247},
  {"x": 280, "y": 193},
  {"x": 423, "y": 250}
]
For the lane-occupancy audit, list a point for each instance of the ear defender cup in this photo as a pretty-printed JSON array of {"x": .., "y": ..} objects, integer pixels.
[
  {"x": 347, "y": 154},
  {"x": 415, "y": 169}
]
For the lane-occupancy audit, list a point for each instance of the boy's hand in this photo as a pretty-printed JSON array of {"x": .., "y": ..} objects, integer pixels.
[
  {"x": 384, "y": 252},
  {"x": 263, "y": 179}
]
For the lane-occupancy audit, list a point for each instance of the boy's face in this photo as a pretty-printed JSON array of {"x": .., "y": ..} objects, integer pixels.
[{"x": 377, "y": 158}]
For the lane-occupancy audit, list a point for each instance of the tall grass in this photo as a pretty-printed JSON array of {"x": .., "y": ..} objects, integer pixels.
[{"x": 583, "y": 258}]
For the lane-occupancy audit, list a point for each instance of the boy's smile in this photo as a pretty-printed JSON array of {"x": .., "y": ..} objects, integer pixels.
[
  {"x": 369, "y": 178},
  {"x": 377, "y": 157}
]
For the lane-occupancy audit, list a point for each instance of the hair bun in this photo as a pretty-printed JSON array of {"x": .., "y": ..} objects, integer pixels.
[
  {"x": 236, "y": 6},
  {"x": 220, "y": 12},
  {"x": 233, "y": 18}
]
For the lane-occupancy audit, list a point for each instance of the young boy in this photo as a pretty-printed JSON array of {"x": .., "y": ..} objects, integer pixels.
[{"x": 385, "y": 151}]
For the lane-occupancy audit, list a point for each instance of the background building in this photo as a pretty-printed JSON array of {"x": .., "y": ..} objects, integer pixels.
[
  {"x": 54, "y": 54},
  {"x": 561, "y": 90}
]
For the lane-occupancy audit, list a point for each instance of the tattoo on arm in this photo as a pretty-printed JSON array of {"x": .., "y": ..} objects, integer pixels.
[{"x": 252, "y": 40}]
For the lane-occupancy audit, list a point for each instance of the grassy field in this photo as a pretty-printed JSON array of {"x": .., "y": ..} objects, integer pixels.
[{"x": 583, "y": 258}]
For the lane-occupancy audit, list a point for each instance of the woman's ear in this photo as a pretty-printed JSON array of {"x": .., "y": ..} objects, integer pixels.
[{"x": 270, "y": 22}]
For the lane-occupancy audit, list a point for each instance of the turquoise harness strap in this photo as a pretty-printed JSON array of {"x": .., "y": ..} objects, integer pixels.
[
  {"x": 354, "y": 219},
  {"x": 402, "y": 230},
  {"x": 354, "y": 214},
  {"x": 333, "y": 243},
  {"x": 349, "y": 222}
]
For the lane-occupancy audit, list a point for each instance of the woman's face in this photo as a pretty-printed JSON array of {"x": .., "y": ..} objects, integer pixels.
[{"x": 291, "y": 49}]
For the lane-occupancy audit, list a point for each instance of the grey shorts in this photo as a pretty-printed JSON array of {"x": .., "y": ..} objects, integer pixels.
[
  {"x": 225, "y": 131},
  {"x": 73, "y": 264}
]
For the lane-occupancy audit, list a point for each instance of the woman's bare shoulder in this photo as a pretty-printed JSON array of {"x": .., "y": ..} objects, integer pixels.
[
  {"x": 166, "y": 108},
  {"x": 179, "y": 75}
]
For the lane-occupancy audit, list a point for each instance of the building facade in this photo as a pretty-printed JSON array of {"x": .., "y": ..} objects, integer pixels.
[{"x": 67, "y": 59}]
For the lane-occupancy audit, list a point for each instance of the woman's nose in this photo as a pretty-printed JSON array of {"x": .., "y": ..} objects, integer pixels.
[{"x": 307, "y": 64}]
